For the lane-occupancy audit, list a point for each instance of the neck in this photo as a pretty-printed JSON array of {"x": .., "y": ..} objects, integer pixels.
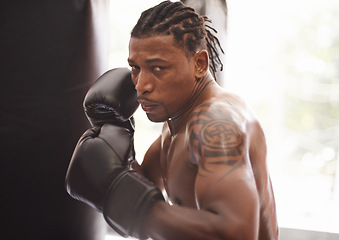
[{"x": 176, "y": 122}]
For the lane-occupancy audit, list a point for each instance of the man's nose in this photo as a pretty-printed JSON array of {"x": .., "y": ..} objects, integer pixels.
[{"x": 143, "y": 83}]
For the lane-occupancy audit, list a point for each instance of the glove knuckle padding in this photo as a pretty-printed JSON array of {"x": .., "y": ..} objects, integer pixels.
[
  {"x": 90, "y": 173},
  {"x": 112, "y": 98}
]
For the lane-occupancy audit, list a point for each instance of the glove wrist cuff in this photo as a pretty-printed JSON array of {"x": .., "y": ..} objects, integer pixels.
[{"x": 128, "y": 202}]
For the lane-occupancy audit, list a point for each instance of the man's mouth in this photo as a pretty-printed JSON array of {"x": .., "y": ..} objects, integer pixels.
[{"x": 147, "y": 106}]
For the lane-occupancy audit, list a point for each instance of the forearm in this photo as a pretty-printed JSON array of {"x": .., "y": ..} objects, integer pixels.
[{"x": 167, "y": 222}]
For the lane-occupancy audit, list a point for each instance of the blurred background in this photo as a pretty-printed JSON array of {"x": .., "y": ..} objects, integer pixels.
[{"x": 281, "y": 56}]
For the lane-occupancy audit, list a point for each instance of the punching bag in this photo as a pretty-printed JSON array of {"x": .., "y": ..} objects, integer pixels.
[{"x": 50, "y": 55}]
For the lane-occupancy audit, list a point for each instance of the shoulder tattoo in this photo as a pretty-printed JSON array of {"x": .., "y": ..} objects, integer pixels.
[{"x": 215, "y": 139}]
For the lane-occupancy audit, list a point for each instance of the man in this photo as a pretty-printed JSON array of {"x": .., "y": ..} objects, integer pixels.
[{"x": 210, "y": 157}]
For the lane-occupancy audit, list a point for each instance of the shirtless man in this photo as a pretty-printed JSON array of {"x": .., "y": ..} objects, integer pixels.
[{"x": 211, "y": 156}]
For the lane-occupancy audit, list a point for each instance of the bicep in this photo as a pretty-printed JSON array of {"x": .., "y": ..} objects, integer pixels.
[
  {"x": 234, "y": 195},
  {"x": 224, "y": 183}
]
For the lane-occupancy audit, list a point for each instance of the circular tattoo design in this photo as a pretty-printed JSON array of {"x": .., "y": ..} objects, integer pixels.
[{"x": 221, "y": 134}]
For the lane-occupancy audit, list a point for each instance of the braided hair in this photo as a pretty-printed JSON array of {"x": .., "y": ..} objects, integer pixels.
[{"x": 190, "y": 30}]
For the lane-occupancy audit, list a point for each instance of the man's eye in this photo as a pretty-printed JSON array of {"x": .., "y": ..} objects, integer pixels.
[
  {"x": 158, "y": 68},
  {"x": 134, "y": 68}
]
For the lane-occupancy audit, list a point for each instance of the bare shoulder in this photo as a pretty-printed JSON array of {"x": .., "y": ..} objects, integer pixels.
[
  {"x": 221, "y": 126},
  {"x": 216, "y": 127},
  {"x": 223, "y": 107}
]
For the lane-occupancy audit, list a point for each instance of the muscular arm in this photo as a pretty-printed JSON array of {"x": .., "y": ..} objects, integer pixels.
[{"x": 225, "y": 189}]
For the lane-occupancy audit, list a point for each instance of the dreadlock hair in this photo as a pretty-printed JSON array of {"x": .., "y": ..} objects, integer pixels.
[{"x": 188, "y": 28}]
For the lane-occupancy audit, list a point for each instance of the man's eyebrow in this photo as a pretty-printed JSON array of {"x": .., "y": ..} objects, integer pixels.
[
  {"x": 156, "y": 60},
  {"x": 152, "y": 60}
]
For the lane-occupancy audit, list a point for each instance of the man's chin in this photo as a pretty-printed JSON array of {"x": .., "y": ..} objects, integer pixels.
[{"x": 156, "y": 118}]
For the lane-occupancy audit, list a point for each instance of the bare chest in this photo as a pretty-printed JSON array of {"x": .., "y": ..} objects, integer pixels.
[{"x": 178, "y": 172}]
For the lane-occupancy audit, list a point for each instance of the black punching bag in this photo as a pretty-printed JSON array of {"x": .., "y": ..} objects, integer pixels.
[{"x": 50, "y": 55}]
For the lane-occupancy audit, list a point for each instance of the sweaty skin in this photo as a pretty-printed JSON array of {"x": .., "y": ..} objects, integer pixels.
[{"x": 211, "y": 155}]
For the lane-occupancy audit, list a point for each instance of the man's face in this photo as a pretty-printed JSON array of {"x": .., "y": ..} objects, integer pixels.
[{"x": 163, "y": 75}]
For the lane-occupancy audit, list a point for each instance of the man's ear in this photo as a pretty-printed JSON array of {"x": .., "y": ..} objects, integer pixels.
[{"x": 201, "y": 63}]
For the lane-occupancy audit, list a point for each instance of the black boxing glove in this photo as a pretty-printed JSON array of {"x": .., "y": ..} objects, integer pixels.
[
  {"x": 111, "y": 99},
  {"x": 98, "y": 176},
  {"x": 93, "y": 160},
  {"x": 99, "y": 173}
]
